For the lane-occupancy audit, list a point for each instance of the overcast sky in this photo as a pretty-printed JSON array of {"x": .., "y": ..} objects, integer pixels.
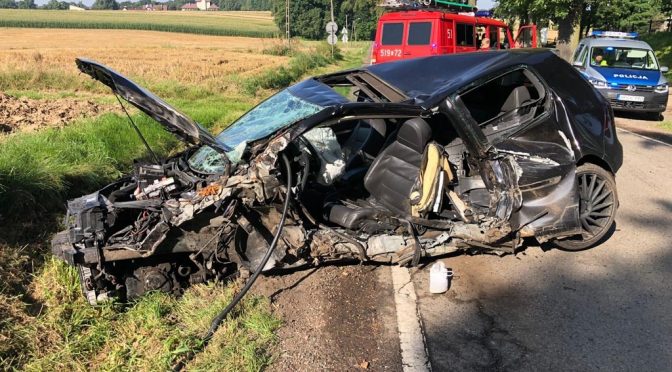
[{"x": 482, "y": 4}]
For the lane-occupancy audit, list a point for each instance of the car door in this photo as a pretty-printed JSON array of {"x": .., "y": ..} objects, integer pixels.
[
  {"x": 524, "y": 158},
  {"x": 419, "y": 41}
]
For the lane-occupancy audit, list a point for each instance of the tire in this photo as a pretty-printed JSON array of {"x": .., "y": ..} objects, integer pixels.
[{"x": 597, "y": 207}]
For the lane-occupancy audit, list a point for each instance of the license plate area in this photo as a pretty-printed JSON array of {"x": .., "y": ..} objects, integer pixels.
[{"x": 630, "y": 98}]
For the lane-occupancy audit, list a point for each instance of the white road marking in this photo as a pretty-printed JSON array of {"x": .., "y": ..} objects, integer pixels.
[
  {"x": 645, "y": 137},
  {"x": 412, "y": 343}
]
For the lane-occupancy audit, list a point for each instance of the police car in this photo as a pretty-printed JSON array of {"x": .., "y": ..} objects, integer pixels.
[{"x": 624, "y": 70}]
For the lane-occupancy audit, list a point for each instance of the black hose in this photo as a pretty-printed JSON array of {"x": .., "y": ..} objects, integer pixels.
[{"x": 222, "y": 315}]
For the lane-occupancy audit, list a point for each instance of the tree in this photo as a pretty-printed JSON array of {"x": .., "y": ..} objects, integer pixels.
[
  {"x": 105, "y": 4},
  {"x": 56, "y": 5},
  {"x": 8, "y": 4},
  {"x": 27, "y": 4},
  {"x": 308, "y": 18}
]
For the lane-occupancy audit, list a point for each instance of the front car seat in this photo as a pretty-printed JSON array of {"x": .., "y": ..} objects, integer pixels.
[{"x": 392, "y": 175}]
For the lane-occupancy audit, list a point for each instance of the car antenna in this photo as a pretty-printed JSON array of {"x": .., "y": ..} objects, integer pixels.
[{"x": 137, "y": 130}]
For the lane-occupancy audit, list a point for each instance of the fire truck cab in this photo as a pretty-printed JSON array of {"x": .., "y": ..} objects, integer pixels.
[{"x": 418, "y": 32}]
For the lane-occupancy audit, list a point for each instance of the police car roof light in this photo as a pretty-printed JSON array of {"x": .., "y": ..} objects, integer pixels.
[{"x": 614, "y": 34}]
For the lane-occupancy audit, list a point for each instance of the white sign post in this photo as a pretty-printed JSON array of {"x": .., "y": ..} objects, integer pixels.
[{"x": 332, "y": 38}]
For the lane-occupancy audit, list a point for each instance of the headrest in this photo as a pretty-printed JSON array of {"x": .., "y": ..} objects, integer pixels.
[
  {"x": 378, "y": 125},
  {"x": 415, "y": 133},
  {"x": 516, "y": 98}
]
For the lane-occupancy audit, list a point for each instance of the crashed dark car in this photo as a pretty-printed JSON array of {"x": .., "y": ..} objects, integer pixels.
[{"x": 393, "y": 163}]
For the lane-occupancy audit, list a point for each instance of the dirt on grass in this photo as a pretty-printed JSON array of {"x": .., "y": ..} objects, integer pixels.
[
  {"x": 25, "y": 114},
  {"x": 334, "y": 319}
]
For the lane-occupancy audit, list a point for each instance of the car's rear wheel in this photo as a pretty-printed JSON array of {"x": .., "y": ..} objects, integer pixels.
[{"x": 598, "y": 204}]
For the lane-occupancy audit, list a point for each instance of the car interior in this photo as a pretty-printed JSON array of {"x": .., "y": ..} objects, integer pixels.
[{"x": 382, "y": 158}]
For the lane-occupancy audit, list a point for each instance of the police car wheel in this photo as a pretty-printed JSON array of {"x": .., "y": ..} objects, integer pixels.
[{"x": 597, "y": 207}]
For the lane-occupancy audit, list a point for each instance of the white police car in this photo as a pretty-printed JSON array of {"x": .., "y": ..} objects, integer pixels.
[{"x": 624, "y": 70}]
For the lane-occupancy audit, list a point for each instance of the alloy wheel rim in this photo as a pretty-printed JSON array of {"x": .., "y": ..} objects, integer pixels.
[{"x": 596, "y": 204}]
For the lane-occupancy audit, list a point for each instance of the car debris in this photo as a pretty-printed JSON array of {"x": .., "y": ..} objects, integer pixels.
[{"x": 424, "y": 161}]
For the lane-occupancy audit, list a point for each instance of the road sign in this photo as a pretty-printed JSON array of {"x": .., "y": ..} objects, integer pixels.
[
  {"x": 344, "y": 31},
  {"x": 332, "y": 27},
  {"x": 344, "y": 38},
  {"x": 332, "y": 39}
]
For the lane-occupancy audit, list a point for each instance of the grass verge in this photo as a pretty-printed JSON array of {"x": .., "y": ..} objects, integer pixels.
[{"x": 666, "y": 125}]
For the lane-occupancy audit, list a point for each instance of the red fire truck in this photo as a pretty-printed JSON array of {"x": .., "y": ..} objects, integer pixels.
[{"x": 407, "y": 32}]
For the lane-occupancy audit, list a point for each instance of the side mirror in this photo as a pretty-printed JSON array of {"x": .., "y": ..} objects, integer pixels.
[
  {"x": 664, "y": 69},
  {"x": 577, "y": 64}
]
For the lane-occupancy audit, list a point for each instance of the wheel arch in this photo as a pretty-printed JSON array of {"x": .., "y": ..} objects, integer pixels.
[{"x": 593, "y": 159}]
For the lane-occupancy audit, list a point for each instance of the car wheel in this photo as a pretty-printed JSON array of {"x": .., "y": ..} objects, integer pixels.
[{"x": 597, "y": 207}]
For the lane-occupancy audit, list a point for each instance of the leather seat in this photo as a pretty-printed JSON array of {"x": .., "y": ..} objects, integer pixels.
[
  {"x": 390, "y": 177},
  {"x": 394, "y": 172}
]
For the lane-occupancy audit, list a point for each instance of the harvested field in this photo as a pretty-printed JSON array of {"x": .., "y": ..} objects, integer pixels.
[
  {"x": 30, "y": 59},
  {"x": 23, "y": 114}
]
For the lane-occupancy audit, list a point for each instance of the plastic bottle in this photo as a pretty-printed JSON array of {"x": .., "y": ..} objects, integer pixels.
[{"x": 438, "y": 278}]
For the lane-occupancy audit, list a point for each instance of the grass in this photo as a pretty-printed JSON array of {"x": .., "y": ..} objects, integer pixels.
[
  {"x": 45, "y": 323},
  {"x": 666, "y": 125},
  {"x": 661, "y": 42},
  {"x": 251, "y": 24},
  {"x": 154, "y": 333}
]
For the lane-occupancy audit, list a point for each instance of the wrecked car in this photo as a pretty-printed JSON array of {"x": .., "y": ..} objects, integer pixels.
[{"x": 391, "y": 163}]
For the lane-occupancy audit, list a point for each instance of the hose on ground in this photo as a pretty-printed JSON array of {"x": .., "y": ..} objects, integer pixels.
[{"x": 217, "y": 321}]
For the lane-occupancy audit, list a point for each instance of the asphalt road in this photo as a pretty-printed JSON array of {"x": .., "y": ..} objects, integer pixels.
[{"x": 607, "y": 308}]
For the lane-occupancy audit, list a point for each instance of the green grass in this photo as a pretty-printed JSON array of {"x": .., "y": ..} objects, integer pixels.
[
  {"x": 152, "y": 334},
  {"x": 206, "y": 23},
  {"x": 45, "y": 323},
  {"x": 661, "y": 42},
  {"x": 666, "y": 125}
]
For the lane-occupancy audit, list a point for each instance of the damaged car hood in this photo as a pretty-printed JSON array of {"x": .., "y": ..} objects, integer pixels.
[{"x": 170, "y": 118}]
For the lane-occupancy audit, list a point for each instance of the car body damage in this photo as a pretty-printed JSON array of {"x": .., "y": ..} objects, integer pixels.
[{"x": 479, "y": 157}]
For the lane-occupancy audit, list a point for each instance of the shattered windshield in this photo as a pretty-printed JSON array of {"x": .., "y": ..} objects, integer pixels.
[{"x": 275, "y": 113}]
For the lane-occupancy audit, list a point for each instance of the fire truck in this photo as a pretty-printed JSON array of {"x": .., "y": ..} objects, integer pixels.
[{"x": 410, "y": 29}]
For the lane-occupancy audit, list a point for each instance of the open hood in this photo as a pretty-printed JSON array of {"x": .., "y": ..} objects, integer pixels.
[{"x": 173, "y": 120}]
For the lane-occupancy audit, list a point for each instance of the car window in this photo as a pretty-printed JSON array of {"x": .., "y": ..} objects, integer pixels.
[
  {"x": 577, "y": 53},
  {"x": 465, "y": 34},
  {"x": 492, "y": 30},
  {"x": 506, "y": 101},
  {"x": 419, "y": 33},
  {"x": 622, "y": 57},
  {"x": 392, "y": 33}
]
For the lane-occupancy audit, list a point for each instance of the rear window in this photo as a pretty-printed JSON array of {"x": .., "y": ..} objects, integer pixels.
[
  {"x": 392, "y": 33},
  {"x": 419, "y": 33},
  {"x": 465, "y": 34}
]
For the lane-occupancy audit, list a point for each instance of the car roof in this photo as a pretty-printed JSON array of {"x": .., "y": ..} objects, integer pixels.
[
  {"x": 430, "y": 78},
  {"x": 613, "y": 42}
]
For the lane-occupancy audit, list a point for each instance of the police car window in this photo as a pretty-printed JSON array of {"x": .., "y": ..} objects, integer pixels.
[
  {"x": 577, "y": 53},
  {"x": 465, "y": 34},
  {"x": 630, "y": 58},
  {"x": 582, "y": 55},
  {"x": 392, "y": 33},
  {"x": 419, "y": 33}
]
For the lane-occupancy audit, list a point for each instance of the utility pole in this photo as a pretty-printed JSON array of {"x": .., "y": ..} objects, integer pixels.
[
  {"x": 332, "y": 19},
  {"x": 289, "y": 37}
]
